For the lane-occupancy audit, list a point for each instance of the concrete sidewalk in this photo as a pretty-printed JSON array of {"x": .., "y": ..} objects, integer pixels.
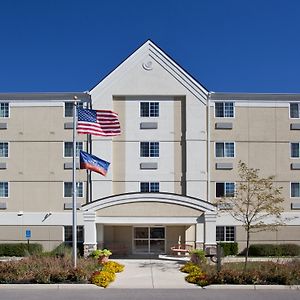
[{"x": 150, "y": 273}]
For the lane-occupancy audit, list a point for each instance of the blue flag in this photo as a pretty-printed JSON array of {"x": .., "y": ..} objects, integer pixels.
[{"x": 93, "y": 163}]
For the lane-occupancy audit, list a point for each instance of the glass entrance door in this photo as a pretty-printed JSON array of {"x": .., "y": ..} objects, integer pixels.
[{"x": 149, "y": 240}]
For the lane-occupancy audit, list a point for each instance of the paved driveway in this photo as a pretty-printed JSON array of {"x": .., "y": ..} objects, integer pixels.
[{"x": 150, "y": 273}]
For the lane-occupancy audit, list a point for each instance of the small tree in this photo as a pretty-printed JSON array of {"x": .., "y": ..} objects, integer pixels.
[{"x": 256, "y": 203}]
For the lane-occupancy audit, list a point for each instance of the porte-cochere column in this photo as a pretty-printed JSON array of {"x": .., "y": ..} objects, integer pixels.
[
  {"x": 90, "y": 232},
  {"x": 210, "y": 229}
]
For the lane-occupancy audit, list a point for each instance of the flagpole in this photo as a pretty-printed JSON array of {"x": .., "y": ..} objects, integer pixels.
[{"x": 74, "y": 200}]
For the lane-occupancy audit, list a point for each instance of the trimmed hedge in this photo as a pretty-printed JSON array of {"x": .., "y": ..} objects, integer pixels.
[
  {"x": 274, "y": 250},
  {"x": 20, "y": 249},
  {"x": 229, "y": 248}
]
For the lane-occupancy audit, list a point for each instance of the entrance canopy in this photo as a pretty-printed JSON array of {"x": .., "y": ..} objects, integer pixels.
[
  {"x": 167, "y": 198},
  {"x": 148, "y": 215}
]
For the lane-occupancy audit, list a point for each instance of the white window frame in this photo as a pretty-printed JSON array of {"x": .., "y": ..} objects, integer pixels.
[
  {"x": 80, "y": 228},
  {"x": 149, "y": 143},
  {"x": 3, "y": 142},
  {"x": 5, "y": 197},
  {"x": 78, "y": 196},
  {"x": 225, "y": 142},
  {"x": 291, "y": 189},
  {"x": 224, "y": 182},
  {"x": 77, "y": 149},
  {"x": 8, "y": 110},
  {"x": 223, "y": 102},
  {"x": 291, "y": 150},
  {"x": 225, "y": 229},
  {"x": 79, "y": 104},
  {"x": 149, "y": 186},
  {"x": 149, "y": 113},
  {"x": 294, "y": 118}
]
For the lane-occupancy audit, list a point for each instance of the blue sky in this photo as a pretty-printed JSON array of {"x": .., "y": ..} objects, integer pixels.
[{"x": 227, "y": 45}]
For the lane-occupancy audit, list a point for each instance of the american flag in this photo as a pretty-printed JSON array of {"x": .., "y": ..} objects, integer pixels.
[{"x": 98, "y": 122}]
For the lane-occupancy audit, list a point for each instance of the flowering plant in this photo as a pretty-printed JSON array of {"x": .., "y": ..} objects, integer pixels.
[{"x": 100, "y": 253}]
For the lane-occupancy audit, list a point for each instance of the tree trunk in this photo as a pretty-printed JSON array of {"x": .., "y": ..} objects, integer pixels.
[{"x": 247, "y": 249}]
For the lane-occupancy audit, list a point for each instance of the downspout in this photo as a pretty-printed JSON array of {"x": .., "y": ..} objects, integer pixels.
[{"x": 208, "y": 147}]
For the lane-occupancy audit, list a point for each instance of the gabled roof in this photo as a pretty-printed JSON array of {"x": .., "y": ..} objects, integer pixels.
[
  {"x": 52, "y": 97},
  {"x": 254, "y": 97},
  {"x": 158, "y": 55}
]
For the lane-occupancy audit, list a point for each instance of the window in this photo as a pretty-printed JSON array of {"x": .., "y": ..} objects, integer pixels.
[
  {"x": 295, "y": 110},
  {"x": 225, "y": 234},
  {"x": 149, "y": 149},
  {"x": 3, "y": 189},
  {"x": 295, "y": 189},
  {"x": 149, "y": 187},
  {"x": 149, "y": 109},
  {"x": 295, "y": 150},
  {"x": 69, "y": 108},
  {"x": 69, "y": 234},
  {"x": 68, "y": 189},
  {"x": 4, "y": 110},
  {"x": 225, "y": 149},
  {"x": 3, "y": 149},
  {"x": 224, "y": 110},
  {"x": 225, "y": 189},
  {"x": 68, "y": 149}
]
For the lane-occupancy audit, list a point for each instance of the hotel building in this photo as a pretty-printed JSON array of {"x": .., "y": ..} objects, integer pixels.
[{"x": 178, "y": 152}]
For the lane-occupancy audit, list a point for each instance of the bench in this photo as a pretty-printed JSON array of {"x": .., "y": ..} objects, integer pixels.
[{"x": 180, "y": 249}]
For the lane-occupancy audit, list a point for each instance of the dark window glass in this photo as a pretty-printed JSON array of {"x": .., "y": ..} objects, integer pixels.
[
  {"x": 295, "y": 191},
  {"x": 224, "y": 109},
  {"x": 4, "y": 110},
  {"x": 219, "y": 233},
  {"x": 294, "y": 110},
  {"x": 294, "y": 149},
  {"x": 69, "y": 234},
  {"x": 149, "y": 109},
  {"x": 220, "y": 189}
]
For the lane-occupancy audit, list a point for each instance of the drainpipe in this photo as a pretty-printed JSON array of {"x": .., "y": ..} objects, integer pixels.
[{"x": 208, "y": 147}]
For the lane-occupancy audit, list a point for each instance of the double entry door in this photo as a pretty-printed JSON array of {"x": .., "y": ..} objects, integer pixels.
[{"x": 149, "y": 240}]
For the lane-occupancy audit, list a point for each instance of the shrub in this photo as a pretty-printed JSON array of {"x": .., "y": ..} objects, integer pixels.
[
  {"x": 264, "y": 250},
  {"x": 46, "y": 270},
  {"x": 62, "y": 250},
  {"x": 195, "y": 274},
  {"x": 112, "y": 266},
  {"x": 190, "y": 267},
  {"x": 197, "y": 256},
  {"x": 266, "y": 273},
  {"x": 102, "y": 278},
  {"x": 274, "y": 250},
  {"x": 229, "y": 248},
  {"x": 20, "y": 249},
  {"x": 100, "y": 252},
  {"x": 233, "y": 273},
  {"x": 290, "y": 249}
]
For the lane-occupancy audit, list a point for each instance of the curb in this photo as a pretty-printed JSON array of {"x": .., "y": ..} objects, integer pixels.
[
  {"x": 251, "y": 287},
  {"x": 49, "y": 286}
]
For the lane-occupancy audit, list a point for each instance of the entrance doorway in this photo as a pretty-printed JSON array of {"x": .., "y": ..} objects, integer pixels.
[{"x": 149, "y": 240}]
